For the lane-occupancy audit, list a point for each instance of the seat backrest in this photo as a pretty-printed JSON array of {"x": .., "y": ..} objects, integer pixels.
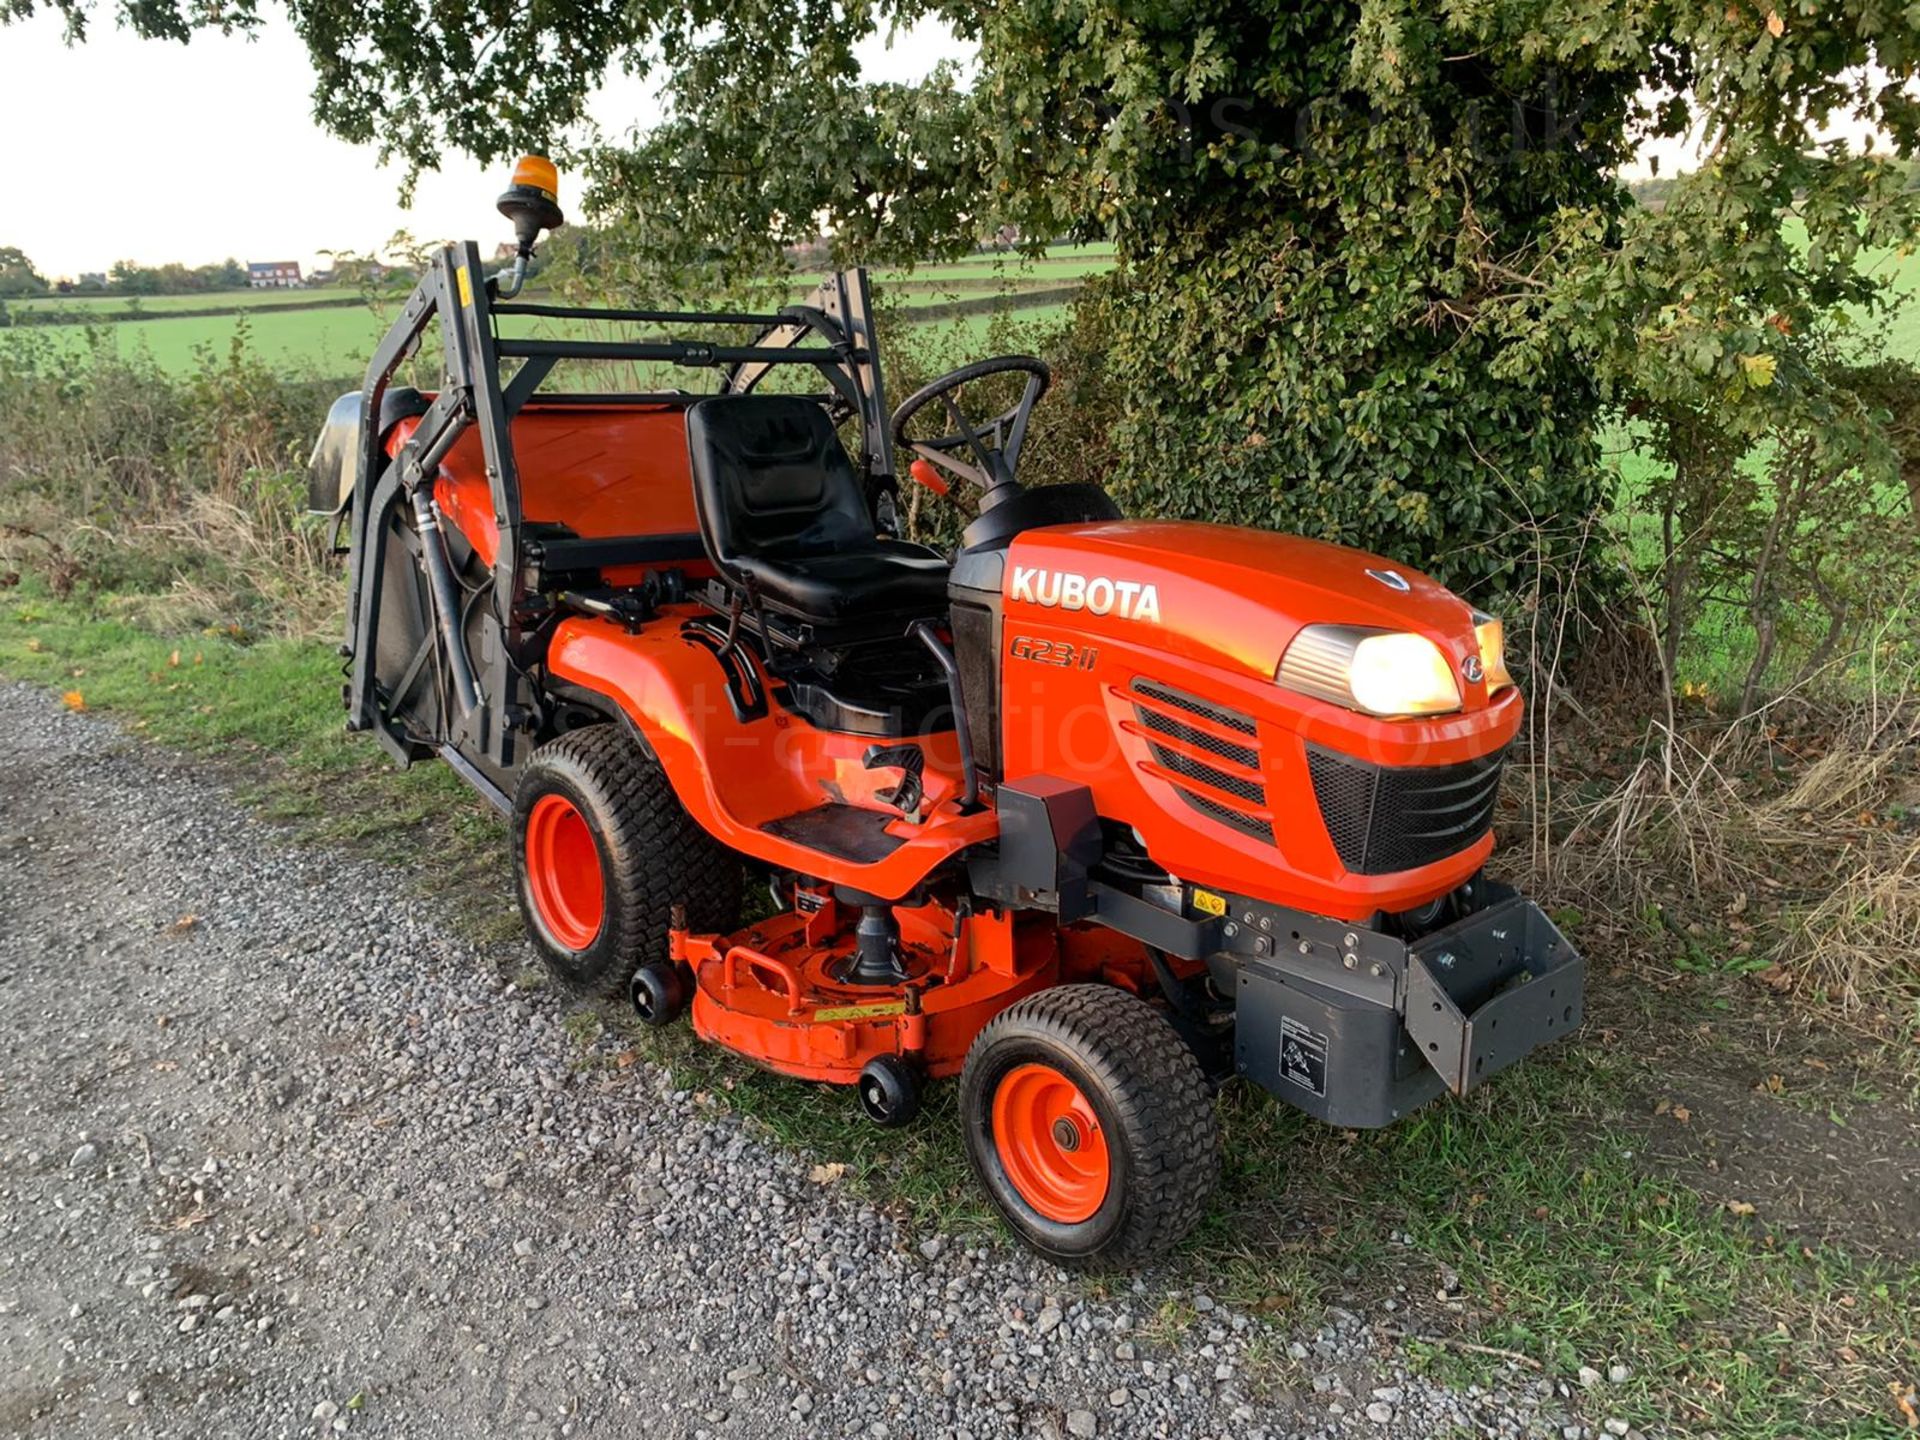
[{"x": 772, "y": 481}]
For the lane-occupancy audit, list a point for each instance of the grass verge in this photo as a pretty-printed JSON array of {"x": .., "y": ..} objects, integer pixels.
[
  {"x": 1520, "y": 1220},
  {"x": 266, "y": 713}
]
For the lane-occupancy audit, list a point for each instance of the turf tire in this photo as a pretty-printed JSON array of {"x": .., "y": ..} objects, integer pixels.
[
  {"x": 1154, "y": 1107},
  {"x": 651, "y": 854}
]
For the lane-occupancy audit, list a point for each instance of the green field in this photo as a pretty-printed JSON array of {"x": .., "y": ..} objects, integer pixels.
[
  {"x": 110, "y": 306},
  {"x": 1903, "y": 326},
  {"x": 915, "y": 296},
  {"x": 339, "y": 341},
  {"x": 283, "y": 328},
  {"x": 336, "y": 340},
  {"x": 972, "y": 329},
  {"x": 1058, "y": 266},
  {"x": 1900, "y": 327}
]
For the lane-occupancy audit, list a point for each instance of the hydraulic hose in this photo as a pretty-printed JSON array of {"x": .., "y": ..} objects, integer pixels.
[{"x": 923, "y": 631}]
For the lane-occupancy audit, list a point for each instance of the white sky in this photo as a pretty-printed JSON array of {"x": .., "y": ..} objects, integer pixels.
[{"x": 195, "y": 152}]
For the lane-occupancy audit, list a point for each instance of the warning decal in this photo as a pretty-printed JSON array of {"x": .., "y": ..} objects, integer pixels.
[{"x": 1303, "y": 1056}]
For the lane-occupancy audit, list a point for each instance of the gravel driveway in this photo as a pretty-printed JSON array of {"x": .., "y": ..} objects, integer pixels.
[{"x": 282, "y": 1155}]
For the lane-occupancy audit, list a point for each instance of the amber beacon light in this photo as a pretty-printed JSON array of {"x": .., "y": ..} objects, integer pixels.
[{"x": 532, "y": 203}]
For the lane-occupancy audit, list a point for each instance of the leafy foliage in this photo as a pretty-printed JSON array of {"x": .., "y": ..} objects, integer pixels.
[
  {"x": 130, "y": 277},
  {"x": 1306, "y": 349},
  {"x": 1375, "y": 279},
  {"x": 121, "y": 476},
  {"x": 1789, "y": 552},
  {"x": 17, "y": 275}
]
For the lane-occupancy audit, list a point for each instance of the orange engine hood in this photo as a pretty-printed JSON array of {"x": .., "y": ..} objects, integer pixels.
[{"x": 1219, "y": 594}]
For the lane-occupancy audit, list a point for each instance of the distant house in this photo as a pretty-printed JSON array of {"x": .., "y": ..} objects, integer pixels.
[{"x": 273, "y": 274}]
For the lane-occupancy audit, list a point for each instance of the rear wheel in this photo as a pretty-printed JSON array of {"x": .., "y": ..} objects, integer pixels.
[
  {"x": 1090, "y": 1125},
  {"x": 564, "y": 880},
  {"x": 602, "y": 851}
]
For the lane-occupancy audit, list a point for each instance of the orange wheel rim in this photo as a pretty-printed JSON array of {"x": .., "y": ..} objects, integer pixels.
[
  {"x": 1050, "y": 1143},
  {"x": 563, "y": 872}
]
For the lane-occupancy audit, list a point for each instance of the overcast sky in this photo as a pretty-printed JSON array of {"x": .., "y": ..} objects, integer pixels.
[{"x": 197, "y": 152}]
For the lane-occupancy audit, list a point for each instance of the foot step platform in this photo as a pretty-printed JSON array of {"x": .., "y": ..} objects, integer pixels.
[{"x": 846, "y": 832}]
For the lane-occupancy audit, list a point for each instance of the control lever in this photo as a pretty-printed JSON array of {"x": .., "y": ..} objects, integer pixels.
[
  {"x": 911, "y": 763},
  {"x": 624, "y": 607}
]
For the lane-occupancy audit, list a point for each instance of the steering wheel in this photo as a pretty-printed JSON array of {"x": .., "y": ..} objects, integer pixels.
[{"x": 994, "y": 444}]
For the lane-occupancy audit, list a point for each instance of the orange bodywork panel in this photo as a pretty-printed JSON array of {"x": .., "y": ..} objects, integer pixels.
[
  {"x": 736, "y": 776},
  {"x": 603, "y": 471},
  {"x": 1206, "y": 610}
]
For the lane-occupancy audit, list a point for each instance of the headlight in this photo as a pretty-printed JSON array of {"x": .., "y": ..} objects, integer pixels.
[
  {"x": 1491, "y": 632},
  {"x": 1382, "y": 672}
]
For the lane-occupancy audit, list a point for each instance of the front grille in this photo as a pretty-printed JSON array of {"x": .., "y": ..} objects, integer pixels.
[
  {"x": 1194, "y": 705},
  {"x": 1175, "y": 728},
  {"x": 1152, "y": 701},
  {"x": 1384, "y": 818},
  {"x": 1235, "y": 819}
]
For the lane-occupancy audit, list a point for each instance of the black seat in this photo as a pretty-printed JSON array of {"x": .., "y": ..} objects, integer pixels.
[{"x": 783, "y": 513}]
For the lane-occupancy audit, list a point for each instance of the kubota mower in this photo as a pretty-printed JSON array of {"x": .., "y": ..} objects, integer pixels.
[{"x": 1092, "y": 813}]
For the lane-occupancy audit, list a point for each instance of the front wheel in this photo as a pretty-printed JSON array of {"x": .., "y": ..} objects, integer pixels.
[{"x": 1090, "y": 1125}]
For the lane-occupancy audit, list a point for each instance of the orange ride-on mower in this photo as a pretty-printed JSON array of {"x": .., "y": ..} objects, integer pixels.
[{"x": 1091, "y": 813}]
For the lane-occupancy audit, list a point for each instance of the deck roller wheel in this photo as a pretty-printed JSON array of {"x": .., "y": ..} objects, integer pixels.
[
  {"x": 889, "y": 1091},
  {"x": 660, "y": 991}
]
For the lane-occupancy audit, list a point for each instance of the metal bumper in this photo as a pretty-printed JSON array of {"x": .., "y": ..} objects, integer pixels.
[
  {"x": 1358, "y": 1028},
  {"x": 1489, "y": 990}
]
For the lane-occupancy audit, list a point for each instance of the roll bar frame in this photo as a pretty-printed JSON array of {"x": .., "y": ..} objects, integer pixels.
[{"x": 491, "y": 708}]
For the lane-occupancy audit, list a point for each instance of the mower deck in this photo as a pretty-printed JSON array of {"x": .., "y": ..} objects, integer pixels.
[{"x": 783, "y": 992}]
